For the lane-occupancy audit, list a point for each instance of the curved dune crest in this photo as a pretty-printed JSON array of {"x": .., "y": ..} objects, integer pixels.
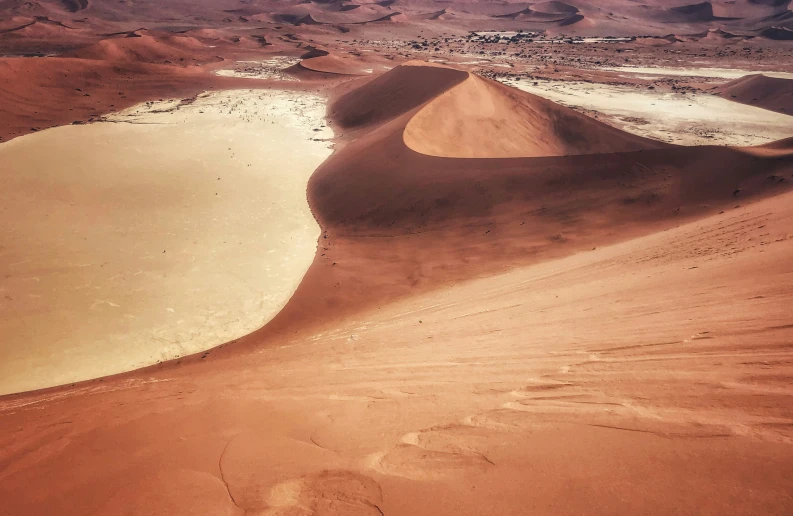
[
  {"x": 395, "y": 93},
  {"x": 780, "y": 149},
  {"x": 142, "y": 48},
  {"x": 778, "y": 34},
  {"x": 38, "y": 27},
  {"x": 330, "y": 63},
  {"x": 700, "y": 9},
  {"x": 719, "y": 35},
  {"x": 445, "y": 14},
  {"x": 480, "y": 118},
  {"x": 548, "y": 15},
  {"x": 693, "y": 13},
  {"x": 770, "y": 3},
  {"x": 574, "y": 19},
  {"x": 295, "y": 19},
  {"x": 771, "y": 93},
  {"x": 74, "y": 6},
  {"x": 554, "y": 7},
  {"x": 421, "y": 220},
  {"x": 373, "y": 185}
]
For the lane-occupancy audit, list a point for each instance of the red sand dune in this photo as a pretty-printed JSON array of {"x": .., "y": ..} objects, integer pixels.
[
  {"x": 147, "y": 49},
  {"x": 719, "y": 35},
  {"x": 432, "y": 219},
  {"x": 528, "y": 14},
  {"x": 484, "y": 119},
  {"x": 778, "y": 33},
  {"x": 41, "y": 35},
  {"x": 45, "y": 92},
  {"x": 702, "y": 12},
  {"x": 553, "y": 7},
  {"x": 446, "y": 14},
  {"x": 771, "y": 93},
  {"x": 608, "y": 381},
  {"x": 329, "y": 63},
  {"x": 391, "y": 95}
]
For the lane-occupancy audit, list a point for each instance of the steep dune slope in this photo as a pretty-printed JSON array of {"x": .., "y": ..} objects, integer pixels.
[
  {"x": 702, "y": 12},
  {"x": 484, "y": 119},
  {"x": 40, "y": 93},
  {"x": 330, "y": 63},
  {"x": 553, "y": 7},
  {"x": 420, "y": 220},
  {"x": 33, "y": 35},
  {"x": 778, "y": 33},
  {"x": 393, "y": 94},
  {"x": 148, "y": 49}
]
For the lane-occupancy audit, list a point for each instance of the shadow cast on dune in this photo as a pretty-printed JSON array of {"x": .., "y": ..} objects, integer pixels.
[
  {"x": 773, "y": 93},
  {"x": 320, "y": 63},
  {"x": 448, "y": 176}
]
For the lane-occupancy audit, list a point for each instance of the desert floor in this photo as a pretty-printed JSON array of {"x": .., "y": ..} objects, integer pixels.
[
  {"x": 285, "y": 258},
  {"x": 680, "y": 118},
  {"x": 164, "y": 230}
]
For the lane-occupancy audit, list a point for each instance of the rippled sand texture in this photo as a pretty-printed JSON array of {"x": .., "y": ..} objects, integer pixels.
[{"x": 168, "y": 229}]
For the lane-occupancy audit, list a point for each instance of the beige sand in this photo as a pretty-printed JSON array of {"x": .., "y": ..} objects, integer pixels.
[
  {"x": 268, "y": 69},
  {"x": 172, "y": 230},
  {"x": 684, "y": 119},
  {"x": 715, "y": 73}
]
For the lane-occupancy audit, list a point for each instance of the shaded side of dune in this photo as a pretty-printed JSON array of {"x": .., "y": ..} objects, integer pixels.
[
  {"x": 40, "y": 93},
  {"x": 388, "y": 96},
  {"x": 480, "y": 118},
  {"x": 772, "y": 93},
  {"x": 327, "y": 63}
]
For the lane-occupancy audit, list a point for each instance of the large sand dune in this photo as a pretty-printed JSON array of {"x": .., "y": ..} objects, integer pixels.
[
  {"x": 420, "y": 220},
  {"x": 483, "y": 119},
  {"x": 771, "y": 93}
]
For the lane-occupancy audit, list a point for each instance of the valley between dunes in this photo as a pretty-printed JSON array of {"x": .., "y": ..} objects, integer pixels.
[{"x": 513, "y": 309}]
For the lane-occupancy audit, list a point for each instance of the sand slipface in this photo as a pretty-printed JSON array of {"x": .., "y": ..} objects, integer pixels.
[
  {"x": 510, "y": 124},
  {"x": 170, "y": 228}
]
